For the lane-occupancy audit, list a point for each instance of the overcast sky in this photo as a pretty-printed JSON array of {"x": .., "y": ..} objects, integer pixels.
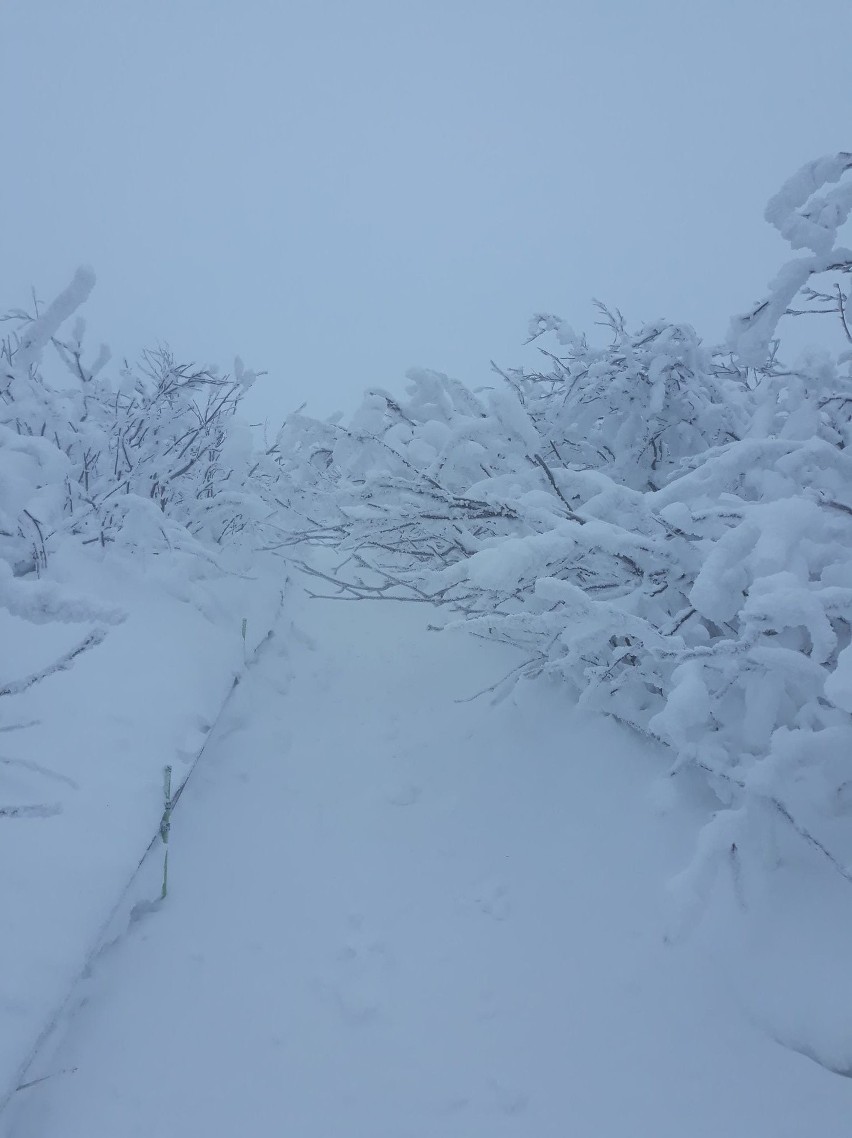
[{"x": 340, "y": 190}]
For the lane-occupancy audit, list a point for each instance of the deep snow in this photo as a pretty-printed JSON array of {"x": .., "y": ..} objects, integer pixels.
[
  {"x": 82, "y": 755},
  {"x": 395, "y": 915}
]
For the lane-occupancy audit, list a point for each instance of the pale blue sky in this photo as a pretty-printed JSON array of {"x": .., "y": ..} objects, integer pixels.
[{"x": 341, "y": 190}]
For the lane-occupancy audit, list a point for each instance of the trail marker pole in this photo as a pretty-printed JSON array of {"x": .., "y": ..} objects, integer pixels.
[{"x": 165, "y": 826}]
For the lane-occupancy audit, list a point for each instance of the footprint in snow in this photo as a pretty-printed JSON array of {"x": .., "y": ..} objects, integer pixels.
[
  {"x": 455, "y": 1104},
  {"x": 391, "y": 730},
  {"x": 492, "y": 898},
  {"x": 509, "y": 1100},
  {"x": 362, "y": 967},
  {"x": 405, "y": 795}
]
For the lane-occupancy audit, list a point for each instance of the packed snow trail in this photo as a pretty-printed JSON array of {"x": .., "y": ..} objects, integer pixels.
[{"x": 393, "y": 915}]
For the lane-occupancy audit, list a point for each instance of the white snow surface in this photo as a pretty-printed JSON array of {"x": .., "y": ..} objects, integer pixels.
[
  {"x": 82, "y": 756},
  {"x": 396, "y": 915}
]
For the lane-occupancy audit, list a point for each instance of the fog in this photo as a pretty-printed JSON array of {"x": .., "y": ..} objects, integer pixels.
[{"x": 338, "y": 191}]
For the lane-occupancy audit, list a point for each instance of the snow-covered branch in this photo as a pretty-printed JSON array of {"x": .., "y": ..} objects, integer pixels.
[{"x": 665, "y": 528}]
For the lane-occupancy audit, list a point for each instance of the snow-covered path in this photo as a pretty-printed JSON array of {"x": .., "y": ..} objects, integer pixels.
[{"x": 396, "y": 916}]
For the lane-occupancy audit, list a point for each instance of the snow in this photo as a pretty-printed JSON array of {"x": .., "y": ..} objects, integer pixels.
[
  {"x": 806, "y": 220},
  {"x": 40, "y": 331},
  {"x": 81, "y": 764},
  {"x": 396, "y": 914},
  {"x": 838, "y": 686},
  {"x": 397, "y": 909},
  {"x": 814, "y": 228}
]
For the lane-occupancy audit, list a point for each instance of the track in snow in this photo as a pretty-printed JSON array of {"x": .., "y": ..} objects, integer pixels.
[{"x": 397, "y": 916}]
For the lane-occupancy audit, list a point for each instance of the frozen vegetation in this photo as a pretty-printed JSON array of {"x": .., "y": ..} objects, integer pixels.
[{"x": 612, "y": 893}]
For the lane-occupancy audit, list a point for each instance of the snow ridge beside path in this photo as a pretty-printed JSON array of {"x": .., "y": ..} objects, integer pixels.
[
  {"x": 87, "y": 765},
  {"x": 393, "y": 915}
]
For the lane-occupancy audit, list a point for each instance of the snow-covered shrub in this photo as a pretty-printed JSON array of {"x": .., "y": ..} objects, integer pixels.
[
  {"x": 151, "y": 459},
  {"x": 634, "y": 408},
  {"x": 36, "y": 472},
  {"x": 664, "y": 526}
]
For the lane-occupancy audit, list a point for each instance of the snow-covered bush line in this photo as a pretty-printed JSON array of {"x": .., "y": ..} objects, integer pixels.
[
  {"x": 151, "y": 460},
  {"x": 152, "y": 455},
  {"x": 666, "y": 527}
]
